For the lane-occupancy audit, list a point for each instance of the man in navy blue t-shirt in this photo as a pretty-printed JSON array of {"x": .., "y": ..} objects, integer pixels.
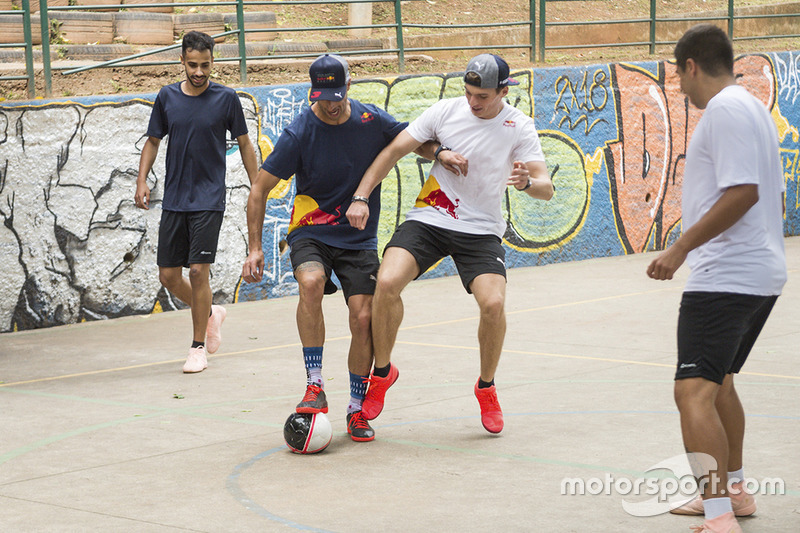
[
  {"x": 196, "y": 114},
  {"x": 327, "y": 148}
]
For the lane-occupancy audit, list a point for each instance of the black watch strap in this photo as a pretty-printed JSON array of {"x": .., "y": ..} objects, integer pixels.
[{"x": 439, "y": 150}]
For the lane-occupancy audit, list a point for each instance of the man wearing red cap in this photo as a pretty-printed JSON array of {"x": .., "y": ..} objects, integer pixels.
[
  {"x": 483, "y": 146},
  {"x": 327, "y": 148}
]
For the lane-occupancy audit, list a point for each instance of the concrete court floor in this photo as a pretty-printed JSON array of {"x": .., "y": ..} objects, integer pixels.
[{"x": 100, "y": 430}]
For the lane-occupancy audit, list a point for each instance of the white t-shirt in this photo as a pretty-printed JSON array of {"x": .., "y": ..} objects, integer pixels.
[
  {"x": 736, "y": 143},
  {"x": 472, "y": 203}
]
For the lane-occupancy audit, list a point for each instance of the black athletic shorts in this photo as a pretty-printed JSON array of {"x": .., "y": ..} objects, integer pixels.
[
  {"x": 717, "y": 330},
  {"x": 473, "y": 254},
  {"x": 357, "y": 270},
  {"x": 187, "y": 238}
]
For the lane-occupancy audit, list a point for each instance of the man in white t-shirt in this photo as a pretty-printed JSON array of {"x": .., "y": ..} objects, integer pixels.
[
  {"x": 486, "y": 146},
  {"x": 732, "y": 239}
]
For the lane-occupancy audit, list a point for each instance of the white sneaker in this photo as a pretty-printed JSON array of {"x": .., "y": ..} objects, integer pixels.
[
  {"x": 214, "y": 328},
  {"x": 197, "y": 360}
]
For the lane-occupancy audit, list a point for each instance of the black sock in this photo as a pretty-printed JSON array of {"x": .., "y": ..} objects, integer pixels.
[
  {"x": 197, "y": 344},
  {"x": 484, "y": 385},
  {"x": 382, "y": 372}
]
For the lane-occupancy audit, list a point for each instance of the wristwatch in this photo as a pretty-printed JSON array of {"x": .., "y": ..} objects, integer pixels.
[
  {"x": 439, "y": 150},
  {"x": 360, "y": 199},
  {"x": 526, "y": 187}
]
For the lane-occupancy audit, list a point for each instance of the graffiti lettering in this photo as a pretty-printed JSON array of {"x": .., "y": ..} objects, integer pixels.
[
  {"x": 787, "y": 69},
  {"x": 280, "y": 110},
  {"x": 584, "y": 99}
]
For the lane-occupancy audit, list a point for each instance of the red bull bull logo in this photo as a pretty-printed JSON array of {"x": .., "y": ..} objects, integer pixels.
[
  {"x": 367, "y": 117},
  {"x": 432, "y": 195},
  {"x": 510, "y": 124},
  {"x": 306, "y": 212}
]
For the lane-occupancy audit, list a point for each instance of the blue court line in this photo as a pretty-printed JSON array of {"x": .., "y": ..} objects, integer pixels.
[{"x": 232, "y": 484}]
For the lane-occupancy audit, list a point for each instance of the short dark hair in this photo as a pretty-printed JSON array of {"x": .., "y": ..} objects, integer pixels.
[
  {"x": 197, "y": 40},
  {"x": 709, "y": 47}
]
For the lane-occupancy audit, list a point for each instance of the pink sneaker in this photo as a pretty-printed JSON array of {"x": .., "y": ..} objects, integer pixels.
[
  {"x": 491, "y": 414},
  {"x": 743, "y": 503},
  {"x": 214, "y": 328},
  {"x": 376, "y": 392},
  {"x": 197, "y": 361},
  {"x": 693, "y": 507},
  {"x": 725, "y": 523}
]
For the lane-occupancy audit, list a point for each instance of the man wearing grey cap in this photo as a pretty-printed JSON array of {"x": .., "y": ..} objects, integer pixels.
[
  {"x": 327, "y": 148},
  {"x": 483, "y": 145}
]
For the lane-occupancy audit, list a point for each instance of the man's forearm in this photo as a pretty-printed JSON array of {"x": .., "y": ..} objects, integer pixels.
[
  {"x": 384, "y": 162},
  {"x": 376, "y": 172},
  {"x": 263, "y": 183},
  {"x": 146, "y": 160},
  {"x": 731, "y": 206},
  {"x": 428, "y": 150},
  {"x": 255, "y": 220},
  {"x": 249, "y": 159}
]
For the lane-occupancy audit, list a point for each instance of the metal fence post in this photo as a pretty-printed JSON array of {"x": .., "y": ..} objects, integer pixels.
[
  {"x": 542, "y": 27},
  {"x": 26, "y": 32},
  {"x": 652, "y": 27},
  {"x": 398, "y": 19},
  {"x": 44, "y": 20},
  {"x": 730, "y": 19},
  {"x": 242, "y": 43},
  {"x": 532, "y": 18}
]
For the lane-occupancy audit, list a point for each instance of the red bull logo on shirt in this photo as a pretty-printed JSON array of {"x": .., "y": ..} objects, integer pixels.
[
  {"x": 306, "y": 212},
  {"x": 367, "y": 117},
  {"x": 510, "y": 124},
  {"x": 432, "y": 195}
]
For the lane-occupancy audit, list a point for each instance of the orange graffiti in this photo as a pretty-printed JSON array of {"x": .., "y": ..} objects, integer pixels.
[{"x": 645, "y": 165}]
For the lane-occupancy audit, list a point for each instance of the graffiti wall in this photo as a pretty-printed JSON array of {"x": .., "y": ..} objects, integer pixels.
[{"x": 73, "y": 246}]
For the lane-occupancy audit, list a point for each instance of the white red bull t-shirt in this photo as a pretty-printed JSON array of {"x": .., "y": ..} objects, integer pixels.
[{"x": 472, "y": 203}]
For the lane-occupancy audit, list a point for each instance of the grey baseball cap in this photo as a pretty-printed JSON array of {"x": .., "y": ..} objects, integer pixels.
[{"x": 492, "y": 70}]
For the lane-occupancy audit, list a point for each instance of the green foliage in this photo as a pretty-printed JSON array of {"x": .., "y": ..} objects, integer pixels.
[{"x": 56, "y": 36}]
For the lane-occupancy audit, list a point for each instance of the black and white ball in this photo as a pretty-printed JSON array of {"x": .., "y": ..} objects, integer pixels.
[{"x": 307, "y": 433}]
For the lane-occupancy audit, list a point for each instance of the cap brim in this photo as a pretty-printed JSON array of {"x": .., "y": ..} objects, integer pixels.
[{"x": 334, "y": 95}]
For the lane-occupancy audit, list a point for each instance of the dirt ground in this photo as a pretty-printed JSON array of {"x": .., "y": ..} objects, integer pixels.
[{"x": 148, "y": 79}]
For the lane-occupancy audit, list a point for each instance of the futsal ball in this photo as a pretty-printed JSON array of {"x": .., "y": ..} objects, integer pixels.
[{"x": 307, "y": 433}]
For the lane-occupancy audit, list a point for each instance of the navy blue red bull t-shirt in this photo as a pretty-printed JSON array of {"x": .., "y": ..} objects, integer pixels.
[
  {"x": 328, "y": 162},
  {"x": 197, "y": 127}
]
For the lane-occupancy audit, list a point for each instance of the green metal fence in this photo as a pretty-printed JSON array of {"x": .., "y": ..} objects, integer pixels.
[
  {"x": 241, "y": 33},
  {"x": 652, "y": 19},
  {"x": 28, "y": 44},
  {"x": 48, "y": 13}
]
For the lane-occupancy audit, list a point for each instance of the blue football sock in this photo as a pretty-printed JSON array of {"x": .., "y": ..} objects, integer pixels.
[
  {"x": 358, "y": 389},
  {"x": 312, "y": 357}
]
